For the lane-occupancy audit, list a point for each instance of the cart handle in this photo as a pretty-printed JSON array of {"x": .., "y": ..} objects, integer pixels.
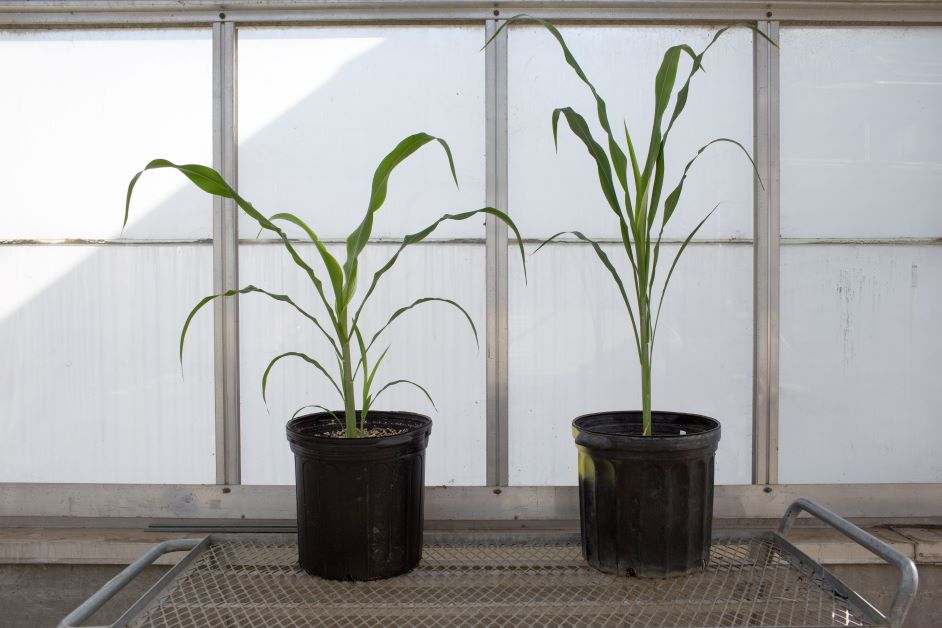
[
  {"x": 90, "y": 606},
  {"x": 909, "y": 577}
]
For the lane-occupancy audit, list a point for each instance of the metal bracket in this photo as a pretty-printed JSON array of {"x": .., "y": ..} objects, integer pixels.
[
  {"x": 113, "y": 586},
  {"x": 909, "y": 577}
]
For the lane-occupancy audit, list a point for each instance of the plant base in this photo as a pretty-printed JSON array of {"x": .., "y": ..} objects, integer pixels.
[
  {"x": 646, "y": 502},
  {"x": 360, "y": 500}
]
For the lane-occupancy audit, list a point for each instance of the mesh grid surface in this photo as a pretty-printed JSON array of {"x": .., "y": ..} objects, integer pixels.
[{"x": 747, "y": 583}]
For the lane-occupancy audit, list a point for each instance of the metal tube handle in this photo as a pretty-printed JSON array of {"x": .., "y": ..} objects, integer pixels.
[
  {"x": 90, "y": 606},
  {"x": 909, "y": 577}
]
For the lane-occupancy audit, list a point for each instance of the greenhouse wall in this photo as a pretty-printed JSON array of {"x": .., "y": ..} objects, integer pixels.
[{"x": 804, "y": 315}]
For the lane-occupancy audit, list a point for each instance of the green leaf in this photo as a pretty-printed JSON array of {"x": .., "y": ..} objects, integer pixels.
[
  {"x": 357, "y": 240},
  {"x": 304, "y": 357},
  {"x": 330, "y": 262},
  {"x": 246, "y": 290},
  {"x": 663, "y": 88},
  {"x": 372, "y": 373},
  {"x": 363, "y": 360},
  {"x": 603, "y": 257},
  {"x": 314, "y": 405},
  {"x": 671, "y": 203},
  {"x": 618, "y": 156},
  {"x": 405, "y": 309},
  {"x": 680, "y": 252},
  {"x": 581, "y": 130},
  {"x": 418, "y": 236},
  {"x": 212, "y": 182},
  {"x": 404, "y": 381},
  {"x": 634, "y": 167}
]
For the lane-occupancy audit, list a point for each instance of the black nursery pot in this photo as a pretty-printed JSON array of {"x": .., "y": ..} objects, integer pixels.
[
  {"x": 360, "y": 500},
  {"x": 646, "y": 502}
]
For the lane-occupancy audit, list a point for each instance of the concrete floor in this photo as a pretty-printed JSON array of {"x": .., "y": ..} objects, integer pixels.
[
  {"x": 877, "y": 583},
  {"x": 39, "y": 596}
]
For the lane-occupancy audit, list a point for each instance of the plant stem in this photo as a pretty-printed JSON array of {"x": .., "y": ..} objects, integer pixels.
[
  {"x": 349, "y": 400},
  {"x": 645, "y": 376}
]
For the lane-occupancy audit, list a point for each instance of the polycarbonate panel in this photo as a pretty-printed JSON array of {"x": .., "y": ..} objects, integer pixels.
[
  {"x": 552, "y": 191},
  {"x": 572, "y": 352},
  {"x": 320, "y": 107},
  {"x": 432, "y": 345},
  {"x": 93, "y": 390},
  {"x": 860, "y": 346},
  {"x": 860, "y": 131},
  {"x": 82, "y": 111}
]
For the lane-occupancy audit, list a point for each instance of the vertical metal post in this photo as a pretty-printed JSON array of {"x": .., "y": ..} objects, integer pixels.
[
  {"x": 495, "y": 59},
  {"x": 766, "y": 252},
  {"x": 225, "y": 257}
]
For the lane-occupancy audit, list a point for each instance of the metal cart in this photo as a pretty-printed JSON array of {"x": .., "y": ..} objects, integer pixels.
[{"x": 752, "y": 579}]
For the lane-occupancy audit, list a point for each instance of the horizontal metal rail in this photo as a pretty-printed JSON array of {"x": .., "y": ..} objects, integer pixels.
[
  {"x": 109, "y": 13},
  {"x": 909, "y": 577}
]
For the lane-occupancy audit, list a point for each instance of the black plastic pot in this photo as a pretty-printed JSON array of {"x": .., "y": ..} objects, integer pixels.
[
  {"x": 360, "y": 500},
  {"x": 646, "y": 502}
]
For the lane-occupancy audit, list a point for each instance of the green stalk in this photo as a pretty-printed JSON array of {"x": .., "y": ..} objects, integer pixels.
[
  {"x": 645, "y": 371},
  {"x": 644, "y": 319},
  {"x": 349, "y": 399}
]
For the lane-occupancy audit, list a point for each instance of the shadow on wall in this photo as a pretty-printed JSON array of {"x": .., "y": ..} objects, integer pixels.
[{"x": 93, "y": 384}]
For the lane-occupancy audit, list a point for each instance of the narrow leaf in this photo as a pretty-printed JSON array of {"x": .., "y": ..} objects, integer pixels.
[
  {"x": 330, "y": 262},
  {"x": 418, "y": 236},
  {"x": 405, "y": 309},
  {"x": 603, "y": 257},
  {"x": 581, "y": 130},
  {"x": 246, "y": 290},
  {"x": 314, "y": 405},
  {"x": 212, "y": 182},
  {"x": 304, "y": 357},
  {"x": 357, "y": 240},
  {"x": 404, "y": 381},
  {"x": 680, "y": 252}
]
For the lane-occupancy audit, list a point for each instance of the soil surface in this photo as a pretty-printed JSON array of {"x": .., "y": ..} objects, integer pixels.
[{"x": 369, "y": 432}]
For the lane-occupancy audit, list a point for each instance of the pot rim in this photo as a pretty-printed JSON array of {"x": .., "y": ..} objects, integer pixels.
[
  {"x": 619, "y": 443},
  {"x": 655, "y": 414},
  {"x": 296, "y": 435}
]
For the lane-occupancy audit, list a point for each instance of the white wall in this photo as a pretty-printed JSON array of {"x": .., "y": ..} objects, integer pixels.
[
  {"x": 860, "y": 340},
  {"x": 320, "y": 107},
  {"x": 89, "y": 327},
  {"x": 92, "y": 384}
]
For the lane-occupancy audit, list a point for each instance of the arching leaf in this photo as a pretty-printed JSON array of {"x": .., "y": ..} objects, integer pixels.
[
  {"x": 418, "y": 236},
  {"x": 404, "y": 381},
  {"x": 304, "y": 357},
  {"x": 246, "y": 290},
  {"x": 405, "y": 309}
]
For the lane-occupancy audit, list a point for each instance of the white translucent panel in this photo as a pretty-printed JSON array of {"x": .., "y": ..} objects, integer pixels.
[
  {"x": 552, "y": 191},
  {"x": 860, "y": 346},
  {"x": 320, "y": 107},
  {"x": 432, "y": 345},
  {"x": 82, "y": 111},
  {"x": 861, "y": 132},
  {"x": 93, "y": 390},
  {"x": 572, "y": 352}
]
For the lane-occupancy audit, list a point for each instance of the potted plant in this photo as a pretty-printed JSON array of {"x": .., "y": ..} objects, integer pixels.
[
  {"x": 360, "y": 472},
  {"x": 645, "y": 477}
]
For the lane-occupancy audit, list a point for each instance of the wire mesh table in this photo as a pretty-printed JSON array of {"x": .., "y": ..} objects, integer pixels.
[{"x": 756, "y": 579}]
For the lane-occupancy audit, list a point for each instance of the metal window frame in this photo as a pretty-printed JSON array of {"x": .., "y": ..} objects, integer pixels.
[
  {"x": 88, "y": 13},
  {"x": 766, "y": 266},
  {"x": 763, "y": 498},
  {"x": 226, "y": 256},
  {"x": 496, "y": 254}
]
